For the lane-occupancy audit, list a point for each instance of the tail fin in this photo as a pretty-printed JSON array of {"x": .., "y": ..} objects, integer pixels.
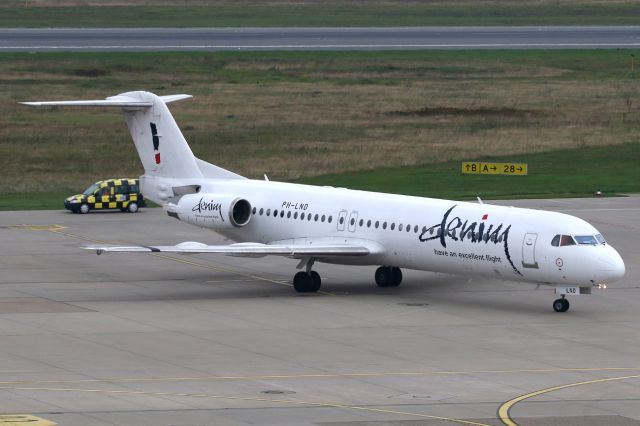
[
  {"x": 158, "y": 140},
  {"x": 170, "y": 168}
]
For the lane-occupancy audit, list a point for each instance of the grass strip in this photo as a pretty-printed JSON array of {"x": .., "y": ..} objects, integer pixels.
[
  {"x": 613, "y": 170},
  {"x": 293, "y": 115},
  {"x": 566, "y": 173},
  {"x": 316, "y": 14}
]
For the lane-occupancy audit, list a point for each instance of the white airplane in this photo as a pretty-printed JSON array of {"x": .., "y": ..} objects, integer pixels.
[{"x": 341, "y": 226}]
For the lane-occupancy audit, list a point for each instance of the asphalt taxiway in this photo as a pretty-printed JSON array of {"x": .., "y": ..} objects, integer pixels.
[
  {"x": 339, "y": 38},
  {"x": 155, "y": 339}
]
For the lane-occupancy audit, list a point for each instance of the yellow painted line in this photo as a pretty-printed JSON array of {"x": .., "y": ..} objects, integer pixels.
[
  {"x": 27, "y": 227},
  {"x": 24, "y": 420},
  {"x": 504, "y": 412},
  {"x": 231, "y": 271},
  {"x": 184, "y": 261},
  {"x": 253, "y": 399},
  {"x": 78, "y": 237},
  {"x": 316, "y": 376}
]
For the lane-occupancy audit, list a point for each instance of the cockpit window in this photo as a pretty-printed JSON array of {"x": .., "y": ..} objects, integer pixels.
[
  {"x": 586, "y": 239},
  {"x": 567, "y": 240}
]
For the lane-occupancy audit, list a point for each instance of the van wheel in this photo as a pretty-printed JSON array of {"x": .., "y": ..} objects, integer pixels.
[
  {"x": 84, "y": 208},
  {"x": 132, "y": 207}
]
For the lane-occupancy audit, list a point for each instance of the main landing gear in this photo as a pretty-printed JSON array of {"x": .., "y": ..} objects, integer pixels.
[
  {"x": 388, "y": 276},
  {"x": 309, "y": 281},
  {"x": 561, "y": 305}
]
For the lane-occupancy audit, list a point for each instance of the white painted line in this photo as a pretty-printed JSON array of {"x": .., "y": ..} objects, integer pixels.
[{"x": 328, "y": 46}]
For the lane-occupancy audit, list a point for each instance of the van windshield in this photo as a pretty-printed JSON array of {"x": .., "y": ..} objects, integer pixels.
[{"x": 90, "y": 190}]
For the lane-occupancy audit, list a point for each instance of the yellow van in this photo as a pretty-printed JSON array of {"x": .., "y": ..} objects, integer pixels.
[{"x": 110, "y": 194}]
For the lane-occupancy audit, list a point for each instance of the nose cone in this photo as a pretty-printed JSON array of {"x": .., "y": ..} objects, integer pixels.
[{"x": 610, "y": 266}]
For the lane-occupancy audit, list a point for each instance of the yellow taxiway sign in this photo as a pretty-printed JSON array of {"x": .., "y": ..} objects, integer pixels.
[{"x": 480, "y": 168}]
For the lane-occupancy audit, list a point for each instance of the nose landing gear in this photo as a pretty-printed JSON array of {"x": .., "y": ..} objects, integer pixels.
[{"x": 561, "y": 305}]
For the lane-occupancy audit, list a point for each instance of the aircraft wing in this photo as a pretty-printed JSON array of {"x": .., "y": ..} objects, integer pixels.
[{"x": 248, "y": 249}]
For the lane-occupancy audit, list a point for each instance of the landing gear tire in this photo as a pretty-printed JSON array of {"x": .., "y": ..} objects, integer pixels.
[
  {"x": 387, "y": 276},
  {"x": 84, "y": 208},
  {"x": 396, "y": 275},
  {"x": 317, "y": 281},
  {"x": 307, "y": 282},
  {"x": 132, "y": 207},
  {"x": 561, "y": 305}
]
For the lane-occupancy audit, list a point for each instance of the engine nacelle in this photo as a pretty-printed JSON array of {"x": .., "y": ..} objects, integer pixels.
[{"x": 217, "y": 211}]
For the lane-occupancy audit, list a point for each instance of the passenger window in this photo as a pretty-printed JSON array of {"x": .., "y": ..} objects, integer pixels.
[
  {"x": 261, "y": 211},
  {"x": 369, "y": 223},
  {"x": 377, "y": 224},
  {"x": 341, "y": 220},
  {"x": 315, "y": 218},
  {"x": 281, "y": 213},
  {"x": 254, "y": 211},
  {"x": 566, "y": 240},
  {"x": 400, "y": 227},
  {"x": 330, "y": 219},
  {"x": 268, "y": 212},
  {"x": 415, "y": 229},
  {"x": 288, "y": 215},
  {"x": 323, "y": 218},
  {"x": 556, "y": 241},
  {"x": 275, "y": 213},
  {"x": 384, "y": 225},
  {"x": 302, "y": 216},
  {"x": 361, "y": 222},
  {"x": 295, "y": 215}
]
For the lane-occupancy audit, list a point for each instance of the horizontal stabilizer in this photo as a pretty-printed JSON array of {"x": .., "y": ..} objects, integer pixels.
[
  {"x": 245, "y": 249},
  {"x": 121, "y": 101}
]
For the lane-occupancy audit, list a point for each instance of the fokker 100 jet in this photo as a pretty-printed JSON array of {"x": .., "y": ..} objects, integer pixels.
[{"x": 340, "y": 226}]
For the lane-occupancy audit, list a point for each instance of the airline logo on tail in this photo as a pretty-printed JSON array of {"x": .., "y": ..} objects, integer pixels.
[{"x": 156, "y": 142}]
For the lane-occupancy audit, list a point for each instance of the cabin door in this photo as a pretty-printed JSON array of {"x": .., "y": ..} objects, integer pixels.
[{"x": 529, "y": 251}]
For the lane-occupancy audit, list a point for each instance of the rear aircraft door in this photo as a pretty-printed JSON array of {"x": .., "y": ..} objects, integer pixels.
[
  {"x": 529, "y": 251},
  {"x": 342, "y": 217},
  {"x": 353, "y": 217}
]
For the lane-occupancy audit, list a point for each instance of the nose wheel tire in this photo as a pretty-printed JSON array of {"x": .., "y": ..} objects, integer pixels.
[
  {"x": 307, "y": 282},
  {"x": 561, "y": 305},
  {"x": 388, "y": 276}
]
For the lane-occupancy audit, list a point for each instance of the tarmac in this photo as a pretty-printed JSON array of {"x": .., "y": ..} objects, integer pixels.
[{"x": 166, "y": 339}]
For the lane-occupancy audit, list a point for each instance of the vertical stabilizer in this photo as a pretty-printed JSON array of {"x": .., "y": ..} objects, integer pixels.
[
  {"x": 162, "y": 149},
  {"x": 165, "y": 155}
]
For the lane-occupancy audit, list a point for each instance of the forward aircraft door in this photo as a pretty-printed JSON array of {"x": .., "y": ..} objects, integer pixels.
[{"x": 529, "y": 251}]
